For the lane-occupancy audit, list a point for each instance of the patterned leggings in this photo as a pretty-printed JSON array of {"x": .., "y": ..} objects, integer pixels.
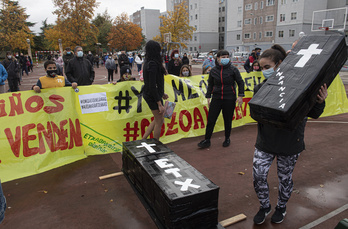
[{"x": 285, "y": 167}]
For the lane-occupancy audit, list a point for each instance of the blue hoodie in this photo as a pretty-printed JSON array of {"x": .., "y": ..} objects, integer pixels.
[{"x": 3, "y": 75}]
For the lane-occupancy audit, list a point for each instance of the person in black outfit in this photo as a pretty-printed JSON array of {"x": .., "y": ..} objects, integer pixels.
[
  {"x": 123, "y": 59},
  {"x": 12, "y": 67},
  {"x": 273, "y": 142},
  {"x": 175, "y": 63},
  {"x": 79, "y": 69},
  {"x": 90, "y": 57},
  {"x": 153, "y": 73},
  {"x": 185, "y": 60},
  {"x": 222, "y": 88}
]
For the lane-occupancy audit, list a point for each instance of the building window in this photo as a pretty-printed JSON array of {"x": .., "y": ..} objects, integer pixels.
[
  {"x": 260, "y": 35},
  {"x": 254, "y": 36},
  {"x": 283, "y": 2},
  {"x": 291, "y": 32},
  {"x": 191, "y": 9},
  {"x": 261, "y": 20},
  {"x": 222, "y": 39},
  {"x": 255, "y": 21},
  {"x": 247, "y": 21},
  {"x": 195, "y": 5},
  {"x": 261, "y": 5},
  {"x": 238, "y": 37},
  {"x": 269, "y": 2},
  {"x": 223, "y": 9},
  {"x": 196, "y": 16},
  {"x": 269, "y": 18},
  {"x": 223, "y": 19},
  {"x": 282, "y": 17},
  {"x": 195, "y": 48},
  {"x": 239, "y": 23},
  {"x": 247, "y": 36},
  {"x": 293, "y": 15},
  {"x": 239, "y": 9},
  {"x": 269, "y": 34},
  {"x": 219, "y": 29},
  {"x": 222, "y": 29},
  {"x": 220, "y": 9},
  {"x": 191, "y": 49},
  {"x": 255, "y": 6},
  {"x": 248, "y": 7},
  {"x": 196, "y": 27},
  {"x": 219, "y": 19},
  {"x": 281, "y": 34},
  {"x": 195, "y": 38},
  {"x": 294, "y": 0}
]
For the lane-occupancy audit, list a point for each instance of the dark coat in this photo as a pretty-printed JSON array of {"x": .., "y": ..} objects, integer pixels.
[
  {"x": 12, "y": 67},
  {"x": 123, "y": 60},
  {"x": 174, "y": 67},
  {"x": 279, "y": 141},
  {"x": 80, "y": 70},
  {"x": 153, "y": 81},
  {"x": 222, "y": 82}
]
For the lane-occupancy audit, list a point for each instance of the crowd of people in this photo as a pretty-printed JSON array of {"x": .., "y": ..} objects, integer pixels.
[{"x": 222, "y": 96}]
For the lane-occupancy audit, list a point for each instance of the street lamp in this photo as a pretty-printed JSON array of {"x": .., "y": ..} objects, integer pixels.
[
  {"x": 60, "y": 46},
  {"x": 29, "y": 49}
]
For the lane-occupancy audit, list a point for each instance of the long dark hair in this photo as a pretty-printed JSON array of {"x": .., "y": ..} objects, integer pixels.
[
  {"x": 276, "y": 53},
  {"x": 153, "y": 53}
]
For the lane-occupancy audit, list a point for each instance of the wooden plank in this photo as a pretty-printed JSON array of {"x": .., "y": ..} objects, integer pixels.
[
  {"x": 110, "y": 175},
  {"x": 233, "y": 220}
]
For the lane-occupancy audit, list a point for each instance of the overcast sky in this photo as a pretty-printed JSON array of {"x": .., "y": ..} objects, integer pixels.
[{"x": 39, "y": 10}]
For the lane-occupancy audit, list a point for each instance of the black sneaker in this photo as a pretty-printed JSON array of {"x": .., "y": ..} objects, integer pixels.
[
  {"x": 278, "y": 215},
  {"x": 226, "y": 143},
  {"x": 260, "y": 217},
  {"x": 204, "y": 144}
]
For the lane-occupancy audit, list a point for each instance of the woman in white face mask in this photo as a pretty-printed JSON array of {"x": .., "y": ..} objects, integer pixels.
[
  {"x": 185, "y": 71},
  {"x": 283, "y": 144}
]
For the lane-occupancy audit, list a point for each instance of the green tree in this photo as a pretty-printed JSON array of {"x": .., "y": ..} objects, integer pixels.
[
  {"x": 14, "y": 28},
  {"x": 73, "y": 24},
  {"x": 104, "y": 23},
  {"x": 41, "y": 43}
]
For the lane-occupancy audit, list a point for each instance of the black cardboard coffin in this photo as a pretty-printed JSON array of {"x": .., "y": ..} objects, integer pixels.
[
  {"x": 289, "y": 94},
  {"x": 195, "y": 206}
]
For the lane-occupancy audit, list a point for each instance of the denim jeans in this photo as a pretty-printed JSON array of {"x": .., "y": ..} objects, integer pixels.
[{"x": 2, "y": 204}]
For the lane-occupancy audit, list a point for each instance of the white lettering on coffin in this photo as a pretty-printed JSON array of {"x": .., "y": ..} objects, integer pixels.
[
  {"x": 282, "y": 88},
  {"x": 163, "y": 163},
  {"x": 307, "y": 54},
  {"x": 148, "y": 147}
]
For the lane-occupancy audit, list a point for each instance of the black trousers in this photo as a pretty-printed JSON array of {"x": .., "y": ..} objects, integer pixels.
[
  {"x": 227, "y": 106},
  {"x": 110, "y": 75}
]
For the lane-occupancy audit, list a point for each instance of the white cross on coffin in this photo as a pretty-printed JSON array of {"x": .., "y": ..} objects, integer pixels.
[
  {"x": 148, "y": 147},
  {"x": 185, "y": 185},
  {"x": 307, "y": 54}
]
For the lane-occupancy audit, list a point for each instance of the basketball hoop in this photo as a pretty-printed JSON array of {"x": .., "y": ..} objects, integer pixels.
[{"x": 324, "y": 28}]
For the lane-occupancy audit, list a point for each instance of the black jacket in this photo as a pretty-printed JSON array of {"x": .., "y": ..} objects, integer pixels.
[
  {"x": 123, "y": 60},
  {"x": 90, "y": 57},
  {"x": 153, "y": 81},
  {"x": 278, "y": 141},
  {"x": 222, "y": 82},
  {"x": 185, "y": 60},
  {"x": 174, "y": 67},
  {"x": 12, "y": 67},
  {"x": 80, "y": 70}
]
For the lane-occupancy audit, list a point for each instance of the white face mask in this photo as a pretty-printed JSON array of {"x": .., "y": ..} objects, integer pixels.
[{"x": 185, "y": 73}]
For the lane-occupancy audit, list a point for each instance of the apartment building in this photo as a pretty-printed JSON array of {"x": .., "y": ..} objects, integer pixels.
[
  {"x": 261, "y": 23},
  {"x": 148, "y": 20},
  {"x": 222, "y": 23}
]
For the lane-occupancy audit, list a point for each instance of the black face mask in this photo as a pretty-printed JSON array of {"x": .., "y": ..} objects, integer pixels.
[{"x": 51, "y": 73}]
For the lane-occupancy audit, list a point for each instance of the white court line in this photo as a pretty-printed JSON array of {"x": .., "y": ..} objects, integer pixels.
[
  {"x": 334, "y": 122},
  {"x": 325, "y": 217}
]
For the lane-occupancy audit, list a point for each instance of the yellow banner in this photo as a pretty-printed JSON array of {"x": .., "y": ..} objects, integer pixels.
[{"x": 58, "y": 126}]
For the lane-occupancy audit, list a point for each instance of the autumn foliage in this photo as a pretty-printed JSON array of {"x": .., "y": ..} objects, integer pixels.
[
  {"x": 176, "y": 23},
  {"x": 125, "y": 35},
  {"x": 14, "y": 30},
  {"x": 73, "y": 24}
]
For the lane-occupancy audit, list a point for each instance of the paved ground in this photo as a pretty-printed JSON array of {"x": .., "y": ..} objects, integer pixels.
[{"x": 73, "y": 197}]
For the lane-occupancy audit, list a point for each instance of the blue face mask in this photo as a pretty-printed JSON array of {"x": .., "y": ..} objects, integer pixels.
[
  {"x": 176, "y": 55},
  {"x": 210, "y": 57},
  {"x": 68, "y": 52},
  {"x": 224, "y": 61},
  {"x": 267, "y": 73},
  {"x": 79, "y": 54}
]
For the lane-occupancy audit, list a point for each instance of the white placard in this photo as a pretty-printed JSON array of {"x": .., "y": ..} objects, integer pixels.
[{"x": 93, "y": 103}]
